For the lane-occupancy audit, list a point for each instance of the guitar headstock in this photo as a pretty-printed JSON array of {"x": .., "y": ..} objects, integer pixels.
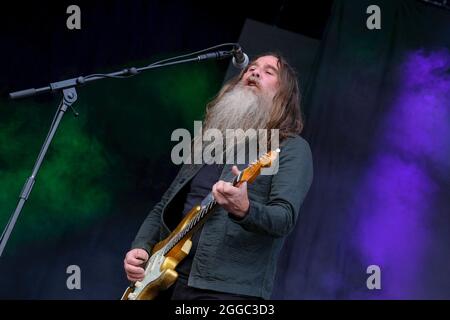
[{"x": 254, "y": 169}]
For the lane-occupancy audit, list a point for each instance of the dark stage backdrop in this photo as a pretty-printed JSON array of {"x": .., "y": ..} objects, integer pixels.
[
  {"x": 378, "y": 121},
  {"x": 107, "y": 168},
  {"x": 377, "y": 110}
]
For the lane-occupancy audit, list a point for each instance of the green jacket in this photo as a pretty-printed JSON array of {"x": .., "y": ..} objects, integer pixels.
[{"x": 240, "y": 256}]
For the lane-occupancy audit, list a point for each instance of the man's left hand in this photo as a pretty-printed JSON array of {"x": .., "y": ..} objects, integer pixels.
[{"x": 232, "y": 199}]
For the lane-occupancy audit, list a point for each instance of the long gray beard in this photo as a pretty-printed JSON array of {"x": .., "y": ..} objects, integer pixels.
[{"x": 240, "y": 108}]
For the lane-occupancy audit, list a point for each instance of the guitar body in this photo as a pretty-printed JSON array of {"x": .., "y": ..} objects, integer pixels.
[{"x": 160, "y": 271}]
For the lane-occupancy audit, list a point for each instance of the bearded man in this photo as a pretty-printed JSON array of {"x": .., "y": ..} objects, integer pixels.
[{"x": 234, "y": 255}]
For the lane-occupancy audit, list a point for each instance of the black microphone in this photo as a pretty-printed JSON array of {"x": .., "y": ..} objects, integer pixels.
[{"x": 240, "y": 59}]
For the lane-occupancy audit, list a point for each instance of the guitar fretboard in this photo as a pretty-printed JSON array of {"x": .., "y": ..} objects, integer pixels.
[{"x": 199, "y": 218}]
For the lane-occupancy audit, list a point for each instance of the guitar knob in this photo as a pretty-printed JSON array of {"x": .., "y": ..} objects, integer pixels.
[
  {"x": 132, "y": 296},
  {"x": 138, "y": 284}
]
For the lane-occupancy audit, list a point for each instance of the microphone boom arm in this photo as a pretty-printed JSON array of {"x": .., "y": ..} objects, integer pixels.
[{"x": 68, "y": 88}]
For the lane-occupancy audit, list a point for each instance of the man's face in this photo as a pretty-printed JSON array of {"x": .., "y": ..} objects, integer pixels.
[{"x": 263, "y": 76}]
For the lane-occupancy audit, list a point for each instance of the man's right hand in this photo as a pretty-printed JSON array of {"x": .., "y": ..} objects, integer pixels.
[{"x": 133, "y": 264}]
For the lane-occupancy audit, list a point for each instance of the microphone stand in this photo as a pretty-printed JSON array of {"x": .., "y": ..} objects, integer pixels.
[{"x": 68, "y": 88}]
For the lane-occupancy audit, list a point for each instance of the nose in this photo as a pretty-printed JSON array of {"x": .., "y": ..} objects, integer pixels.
[{"x": 255, "y": 73}]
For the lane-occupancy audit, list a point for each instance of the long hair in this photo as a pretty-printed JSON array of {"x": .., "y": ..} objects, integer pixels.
[{"x": 285, "y": 115}]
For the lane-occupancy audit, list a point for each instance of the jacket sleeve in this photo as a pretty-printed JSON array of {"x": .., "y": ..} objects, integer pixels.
[
  {"x": 277, "y": 217},
  {"x": 149, "y": 232}
]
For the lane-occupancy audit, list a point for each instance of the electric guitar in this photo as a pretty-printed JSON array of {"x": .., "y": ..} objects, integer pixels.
[{"x": 160, "y": 271}]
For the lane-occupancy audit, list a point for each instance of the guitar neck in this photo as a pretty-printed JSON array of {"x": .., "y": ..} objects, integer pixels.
[{"x": 196, "y": 222}]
